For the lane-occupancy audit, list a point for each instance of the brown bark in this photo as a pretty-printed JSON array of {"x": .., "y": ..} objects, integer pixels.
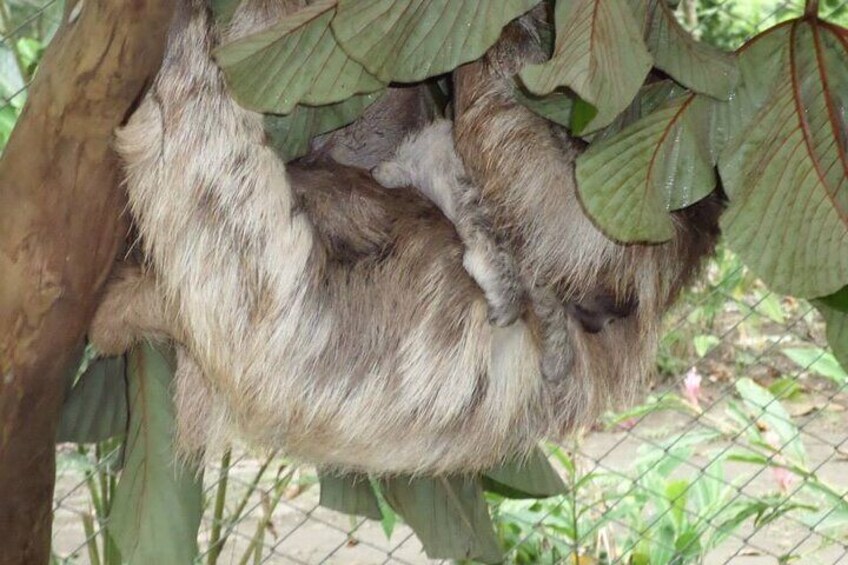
[{"x": 60, "y": 229}]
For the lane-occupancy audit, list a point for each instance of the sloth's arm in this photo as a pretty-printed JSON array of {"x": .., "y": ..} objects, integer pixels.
[
  {"x": 132, "y": 309},
  {"x": 428, "y": 162},
  {"x": 486, "y": 258}
]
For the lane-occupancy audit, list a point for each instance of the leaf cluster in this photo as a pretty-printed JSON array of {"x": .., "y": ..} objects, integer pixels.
[{"x": 669, "y": 118}]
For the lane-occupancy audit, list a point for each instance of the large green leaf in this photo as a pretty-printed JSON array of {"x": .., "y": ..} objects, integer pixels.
[
  {"x": 650, "y": 97},
  {"x": 555, "y": 107},
  {"x": 448, "y": 514},
  {"x": 699, "y": 66},
  {"x": 673, "y": 149},
  {"x": 290, "y": 135},
  {"x": 665, "y": 159},
  {"x": 410, "y": 40},
  {"x": 817, "y": 360},
  {"x": 533, "y": 477},
  {"x": 787, "y": 174},
  {"x": 599, "y": 54},
  {"x": 834, "y": 309},
  {"x": 96, "y": 407},
  {"x": 663, "y": 162},
  {"x": 158, "y": 504},
  {"x": 759, "y": 61},
  {"x": 350, "y": 493},
  {"x": 296, "y": 61}
]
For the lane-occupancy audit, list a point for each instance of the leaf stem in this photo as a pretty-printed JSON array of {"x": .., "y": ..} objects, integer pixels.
[
  {"x": 270, "y": 505},
  {"x": 90, "y": 537},
  {"x": 215, "y": 544},
  {"x": 811, "y": 9},
  {"x": 236, "y": 514}
]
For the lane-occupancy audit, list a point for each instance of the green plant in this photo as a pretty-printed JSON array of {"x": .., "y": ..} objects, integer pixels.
[
  {"x": 25, "y": 34},
  {"x": 664, "y": 508}
]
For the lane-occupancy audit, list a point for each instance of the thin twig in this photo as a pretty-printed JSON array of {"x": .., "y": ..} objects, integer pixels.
[{"x": 215, "y": 544}]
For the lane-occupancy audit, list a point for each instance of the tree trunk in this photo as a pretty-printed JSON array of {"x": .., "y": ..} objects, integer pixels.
[{"x": 60, "y": 229}]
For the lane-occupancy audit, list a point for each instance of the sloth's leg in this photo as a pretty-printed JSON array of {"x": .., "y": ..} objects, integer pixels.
[
  {"x": 488, "y": 261},
  {"x": 193, "y": 400},
  {"x": 556, "y": 348},
  {"x": 132, "y": 309}
]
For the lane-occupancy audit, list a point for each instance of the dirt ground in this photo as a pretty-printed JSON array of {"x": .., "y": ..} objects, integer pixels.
[{"x": 302, "y": 532}]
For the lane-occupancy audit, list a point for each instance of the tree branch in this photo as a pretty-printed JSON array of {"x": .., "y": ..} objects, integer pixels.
[{"x": 60, "y": 230}]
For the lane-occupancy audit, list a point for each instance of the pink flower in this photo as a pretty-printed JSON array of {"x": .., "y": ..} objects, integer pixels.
[
  {"x": 783, "y": 477},
  {"x": 628, "y": 424},
  {"x": 692, "y": 387}
]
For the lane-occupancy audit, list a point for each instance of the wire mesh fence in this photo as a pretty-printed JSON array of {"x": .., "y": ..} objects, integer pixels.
[{"x": 738, "y": 453}]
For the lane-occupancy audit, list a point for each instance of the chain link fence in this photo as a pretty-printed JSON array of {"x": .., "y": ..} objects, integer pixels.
[{"x": 739, "y": 453}]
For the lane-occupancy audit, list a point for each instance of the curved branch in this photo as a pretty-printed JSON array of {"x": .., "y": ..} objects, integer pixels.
[{"x": 60, "y": 230}]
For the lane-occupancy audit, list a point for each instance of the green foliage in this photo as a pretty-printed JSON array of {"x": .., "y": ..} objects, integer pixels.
[
  {"x": 290, "y": 134},
  {"x": 659, "y": 163},
  {"x": 790, "y": 166},
  {"x": 837, "y": 325},
  {"x": 727, "y": 24},
  {"x": 410, "y": 40},
  {"x": 761, "y": 406},
  {"x": 26, "y": 52},
  {"x": 599, "y": 54},
  {"x": 297, "y": 61},
  {"x": 696, "y": 65},
  {"x": 529, "y": 478},
  {"x": 99, "y": 467},
  {"x": 556, "y": 106},
  {"x": 157, "y": 503},
  {"x": 654, "y": 511},
  {"x": 448, "y": 514},
  {"x": 350, "y": 494},
  {"x": 95, "y": 409},
  {"x": 817, "y": 360}
]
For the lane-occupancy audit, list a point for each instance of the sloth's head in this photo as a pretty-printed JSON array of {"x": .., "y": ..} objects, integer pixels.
[
  {"x": 616, "y": 325},
  {"x": 616, "y": 293}
]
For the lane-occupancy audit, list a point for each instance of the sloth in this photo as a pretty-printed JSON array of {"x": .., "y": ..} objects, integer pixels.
[
  {"x": 315, "y": 311},
  {"x": 428, "y": 161}
]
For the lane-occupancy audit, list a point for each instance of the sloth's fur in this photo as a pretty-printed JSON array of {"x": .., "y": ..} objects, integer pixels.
[
  {"x": 320, "y": 313},
  {"x": 427, "y": 160}
]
